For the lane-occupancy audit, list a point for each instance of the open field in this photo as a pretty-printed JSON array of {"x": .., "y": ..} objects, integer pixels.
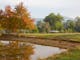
[
  {"x": 62, "y": 40},
  {"x": 66, "y": 36}
]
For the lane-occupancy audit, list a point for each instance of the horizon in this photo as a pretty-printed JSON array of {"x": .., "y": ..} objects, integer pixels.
[{"x": 42, "y": 8}]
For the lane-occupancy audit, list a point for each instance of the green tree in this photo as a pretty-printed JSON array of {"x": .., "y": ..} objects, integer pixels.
[
  {"x": 70, "y": 26},
  {"x": 51, "y": 19},
  {"x": 47, "y": 27},
  {"x": 43, "y": 26},
  {"x": 55, "y": 21},
  {"x": 40, "y": 26},
  {"x": 77, "y": 24}
]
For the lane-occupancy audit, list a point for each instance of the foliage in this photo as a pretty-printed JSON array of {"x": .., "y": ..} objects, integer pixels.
[
  {"x": 69, "y": 26},
  {"x": 18, "y": 18},
  {"x": 77, "y": 24},
  {"x": 55, "y": 21},
  {"x": 43, "y": 26},
  {"x": 15, "y": 51}
]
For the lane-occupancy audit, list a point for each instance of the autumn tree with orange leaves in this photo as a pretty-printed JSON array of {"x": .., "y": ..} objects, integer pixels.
[{"x": 17, "y": 18}]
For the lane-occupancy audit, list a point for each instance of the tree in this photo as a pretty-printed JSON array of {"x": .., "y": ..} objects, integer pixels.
[
  {"x": 51, "y": 19},
  {"x": 40, "y": 26},
  {"x": 43, "y": 26},
  {"x": 55, "y": 21},
  {"x": 69, "y": 26},
  {"x": 24, "y": 15},
  {"x": 77, "y": 24},
  {"x": 1, "y": 19},
  {"x": 47, "y": 27},
  {"x": 18, "y": 18}
]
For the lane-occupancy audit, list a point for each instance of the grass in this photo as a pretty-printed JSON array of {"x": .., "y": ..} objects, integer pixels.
[{"x": 68, "y": 36}]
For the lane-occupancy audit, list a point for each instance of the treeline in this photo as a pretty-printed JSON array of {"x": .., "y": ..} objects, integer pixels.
[
  {"x": 56, "y": 22},
  {"x": 18, "y": 19}
]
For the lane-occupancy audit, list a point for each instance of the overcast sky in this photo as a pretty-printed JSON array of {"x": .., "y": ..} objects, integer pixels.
[{"x": 41, "y": 8}]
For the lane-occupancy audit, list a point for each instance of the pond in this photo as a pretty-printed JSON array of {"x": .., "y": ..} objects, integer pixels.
[
  {"x": 45, "y": 51},
  {"x": 41, "y": 51}
]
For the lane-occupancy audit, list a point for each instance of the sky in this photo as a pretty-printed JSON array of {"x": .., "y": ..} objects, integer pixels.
[{"x": 41, "y": 8}]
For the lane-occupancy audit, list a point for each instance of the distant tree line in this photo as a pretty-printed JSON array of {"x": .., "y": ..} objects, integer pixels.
[
  {"x": 58, "y": 23},
  {"x": 18, "y": 19}
]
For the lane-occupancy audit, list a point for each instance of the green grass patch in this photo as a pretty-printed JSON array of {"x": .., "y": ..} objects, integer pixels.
[{"x": 66, "y": 36}]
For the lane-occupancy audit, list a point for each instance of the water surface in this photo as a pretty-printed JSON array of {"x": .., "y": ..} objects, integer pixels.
[
  {"x": 41, "y": 51},
  {"x": 45, "y": 51}
]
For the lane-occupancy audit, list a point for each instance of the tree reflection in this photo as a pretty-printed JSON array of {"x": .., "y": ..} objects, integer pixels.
[{"x": 15, "y": 50}]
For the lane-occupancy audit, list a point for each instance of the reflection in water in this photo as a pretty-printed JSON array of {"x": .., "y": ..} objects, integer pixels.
[
  {"x": 15, "y": 50},
  {"x": 41, "y": 51}
]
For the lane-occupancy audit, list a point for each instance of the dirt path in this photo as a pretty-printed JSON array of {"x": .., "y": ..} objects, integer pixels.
[{"x": 55, "y": 42}]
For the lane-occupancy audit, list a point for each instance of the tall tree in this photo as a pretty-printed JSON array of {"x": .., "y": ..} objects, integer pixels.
[
  {"x": 69, "y": 26},
  {"x": 18, "y": 18},
  {"x": 55, "y": 21},
  {"x": 24, "y": 15},
  {"x": 40, "y": 26},
  {"x": 43, "y": 26},
  {"x": 77, "y": 24}
]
